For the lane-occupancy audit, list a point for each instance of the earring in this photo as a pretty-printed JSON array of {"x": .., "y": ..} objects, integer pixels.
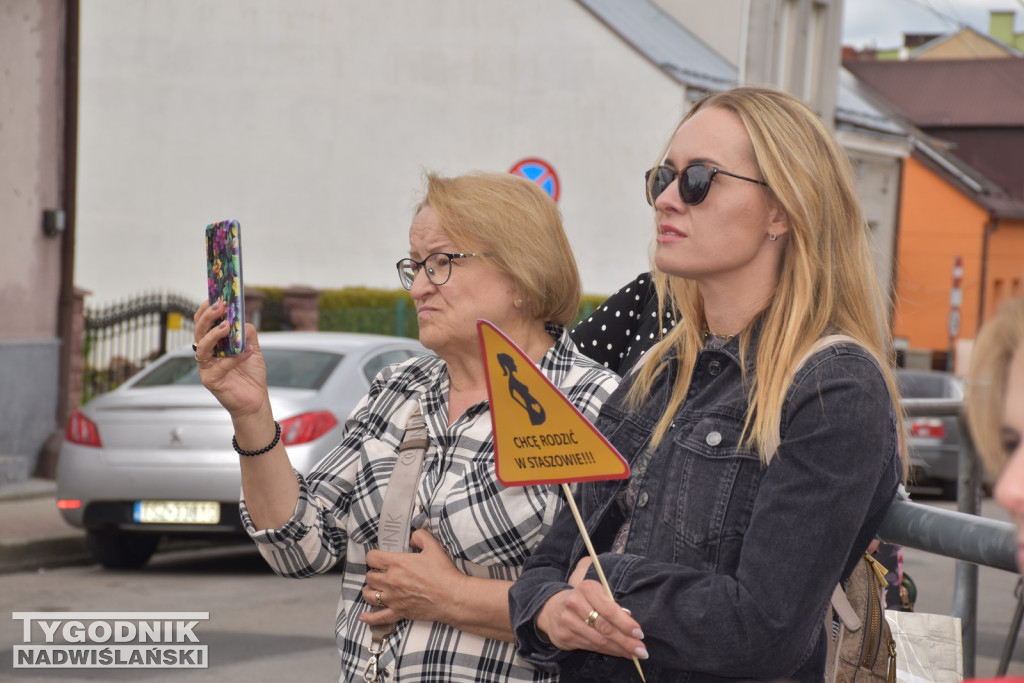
[
  {"x": 518, "y": 302},
  {"x": 772, "y": 237}
]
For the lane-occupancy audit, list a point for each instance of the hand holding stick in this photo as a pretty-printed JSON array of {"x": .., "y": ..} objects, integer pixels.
[{"x": 593, "y": 556}]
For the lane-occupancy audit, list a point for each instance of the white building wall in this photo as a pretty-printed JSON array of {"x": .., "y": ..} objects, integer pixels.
[
  {"x": 877, "y": 166},
  {"x": 312, "y": 121}
]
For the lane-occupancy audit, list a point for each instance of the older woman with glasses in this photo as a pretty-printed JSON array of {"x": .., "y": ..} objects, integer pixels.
[
  {"x": 485, "y": 246},
  {"x": 762, "y": 430}
]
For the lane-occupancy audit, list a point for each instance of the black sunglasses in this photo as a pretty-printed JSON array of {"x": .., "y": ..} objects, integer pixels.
[{"x": 694, "y": 182}]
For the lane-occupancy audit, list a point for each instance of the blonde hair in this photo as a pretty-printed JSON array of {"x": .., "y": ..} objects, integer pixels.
[
  {"x": 993, "y": 351},
  {"x": 515, "y": 224},
  {"x": 827, "y": 281}
]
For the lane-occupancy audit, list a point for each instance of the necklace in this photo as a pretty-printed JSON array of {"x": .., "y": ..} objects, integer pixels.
[{"x": 706, "y": 333}]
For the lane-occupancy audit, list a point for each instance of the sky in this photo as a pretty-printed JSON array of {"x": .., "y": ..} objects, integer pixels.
[{"x": 882, "y": 23}]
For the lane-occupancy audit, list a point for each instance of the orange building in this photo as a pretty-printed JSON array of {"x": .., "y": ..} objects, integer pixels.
[
  {"x": 949, "y": 213},
  {"x": 962, "y": 194}
]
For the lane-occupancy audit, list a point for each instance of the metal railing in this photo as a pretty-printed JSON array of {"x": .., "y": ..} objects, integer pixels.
[
  {"x": 123, "y": 337},
  {"x": 963, "y": 535}
]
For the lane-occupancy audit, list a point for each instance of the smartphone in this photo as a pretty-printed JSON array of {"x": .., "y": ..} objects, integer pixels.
[{"x": 224, "y": 281}]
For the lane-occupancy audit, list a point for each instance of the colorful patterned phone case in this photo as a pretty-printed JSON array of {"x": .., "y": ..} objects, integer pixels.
[{"x": 224, "y": 281}]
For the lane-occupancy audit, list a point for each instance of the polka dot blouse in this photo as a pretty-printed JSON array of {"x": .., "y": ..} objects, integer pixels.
[{"x": 618, "y": 332}]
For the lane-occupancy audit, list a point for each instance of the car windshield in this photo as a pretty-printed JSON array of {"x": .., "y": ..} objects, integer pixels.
[{"x": 285, "y": 368}]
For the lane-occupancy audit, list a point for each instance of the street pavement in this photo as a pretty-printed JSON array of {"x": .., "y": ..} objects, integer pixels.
[{"x": 34, "y": 536}]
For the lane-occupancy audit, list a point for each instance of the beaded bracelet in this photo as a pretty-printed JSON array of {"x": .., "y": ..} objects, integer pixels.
[{"x": 265, "y": 449}]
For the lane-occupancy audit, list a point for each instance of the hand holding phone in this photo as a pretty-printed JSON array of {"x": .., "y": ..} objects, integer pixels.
[{"x": 224, "y": 281}]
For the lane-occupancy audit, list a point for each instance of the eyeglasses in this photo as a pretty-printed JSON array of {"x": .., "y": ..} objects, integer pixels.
[
  {"x": 438, "y": 268},
  {"x": 694, "y": 182}
]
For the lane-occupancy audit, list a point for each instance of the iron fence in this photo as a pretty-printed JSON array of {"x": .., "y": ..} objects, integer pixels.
[{"x": 123, "y": 337}]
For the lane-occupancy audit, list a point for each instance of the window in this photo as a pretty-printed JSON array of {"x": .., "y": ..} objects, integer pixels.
[{"x": 292, "y": 368}]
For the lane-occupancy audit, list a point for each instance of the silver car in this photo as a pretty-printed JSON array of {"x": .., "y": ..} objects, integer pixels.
[
  {"x": 934, "y": 443},
  {"x": 154, "y": 456}
]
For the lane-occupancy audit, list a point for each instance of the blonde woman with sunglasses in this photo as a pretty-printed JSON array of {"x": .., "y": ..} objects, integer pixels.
[{"x": 759, "y": 476}]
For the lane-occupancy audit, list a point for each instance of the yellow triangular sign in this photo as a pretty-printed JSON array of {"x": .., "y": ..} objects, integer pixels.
[{"x": 539, "y": 435}]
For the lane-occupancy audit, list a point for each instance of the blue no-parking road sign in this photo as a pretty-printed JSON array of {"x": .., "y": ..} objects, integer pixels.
[{"x": 539, "y": 172}]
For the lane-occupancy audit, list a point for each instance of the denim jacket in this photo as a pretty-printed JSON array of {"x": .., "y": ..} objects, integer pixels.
[{"x": 728, "y": 565}]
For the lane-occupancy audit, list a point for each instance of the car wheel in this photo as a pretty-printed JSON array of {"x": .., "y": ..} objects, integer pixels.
[{"x": 121, "y": 549}]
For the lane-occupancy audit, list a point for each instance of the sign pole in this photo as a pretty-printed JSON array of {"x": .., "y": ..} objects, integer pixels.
[
  {"x": 593, "y": 556},
  {"x": 540, "y": 437},
  {"x": 955, "y": 299}
]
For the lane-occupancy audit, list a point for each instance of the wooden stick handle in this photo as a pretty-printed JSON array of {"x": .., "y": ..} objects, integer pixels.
[{"x": 593, "y": 556}]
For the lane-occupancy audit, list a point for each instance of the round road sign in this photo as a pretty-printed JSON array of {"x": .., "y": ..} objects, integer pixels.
[{"x": 539, "y": 172}]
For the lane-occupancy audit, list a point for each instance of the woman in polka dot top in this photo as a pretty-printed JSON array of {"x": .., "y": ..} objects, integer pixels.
[{"x": 624, "y": 326}]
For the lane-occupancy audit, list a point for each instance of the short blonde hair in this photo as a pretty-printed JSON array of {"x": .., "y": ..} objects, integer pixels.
[
  {"x": 997, "y": 343},
  {"x": 516, "y": 225}
]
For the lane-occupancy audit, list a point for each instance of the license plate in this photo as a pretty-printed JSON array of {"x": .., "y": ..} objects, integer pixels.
[{"x": 177, "y": 512}]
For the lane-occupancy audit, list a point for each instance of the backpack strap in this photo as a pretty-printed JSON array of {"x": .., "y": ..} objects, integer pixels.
[
  {"x": 839, "y": 602},
  {"x": 824, "y": 342},
  {"x": 844, "y": 610},
  {"x": 848, "y": 618}
]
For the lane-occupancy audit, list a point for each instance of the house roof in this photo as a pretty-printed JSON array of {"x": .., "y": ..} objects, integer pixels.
[
  {"x": 693, "y": 63},
  {"x": 665, "y": 42},
  {"x": 854, "y": 107},
  {"x": 965, "y": 35},
  {"x": 950, "y": 93},
  {"x": 936, "y": 155},
  {"x": 987, "y": 194}
]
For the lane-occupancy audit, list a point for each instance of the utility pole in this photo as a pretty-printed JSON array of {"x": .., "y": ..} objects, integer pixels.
[{"x": 956, "y": 297}]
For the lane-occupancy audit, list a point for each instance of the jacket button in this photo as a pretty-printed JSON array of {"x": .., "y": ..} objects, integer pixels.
[
  {"x": 642, "y": 500},
  {"x": 715, "y": 368},
  {"x": 713, "y": 438}
]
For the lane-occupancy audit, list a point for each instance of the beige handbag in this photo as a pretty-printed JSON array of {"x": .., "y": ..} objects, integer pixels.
[{"x": 861, "y": 646}]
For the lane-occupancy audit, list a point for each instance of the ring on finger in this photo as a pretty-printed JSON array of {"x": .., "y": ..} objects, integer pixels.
[
  {"x": 591, "y": 618},
  {"x": 203, "y": 361},
  {"x": 380, "y": 603}
]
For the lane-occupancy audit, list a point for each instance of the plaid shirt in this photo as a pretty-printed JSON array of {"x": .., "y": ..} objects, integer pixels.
[{"x": 459, "y": 500}]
